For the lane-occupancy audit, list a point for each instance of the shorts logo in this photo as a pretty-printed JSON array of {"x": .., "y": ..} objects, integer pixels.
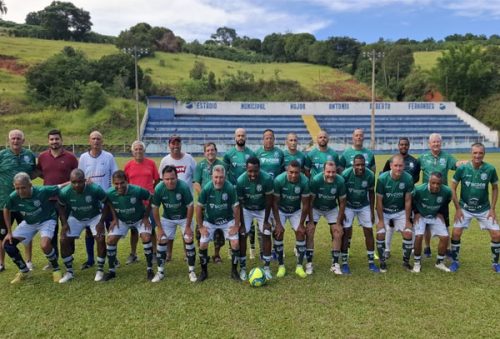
[
  {"x": 224, "y": 196},
  {"x": 133, "y": 200},
  {"x": 439, "y": 200},
  {"x": 297, "y": 190},
  {"x": 364, "y": 184},
  {"x": 401, "y": 185},
  {"x": 484, "y": 176},
  {"x": 36, "y": 203},
  {"x": 88, "y": 199},
  {"x": 178, "y": 196},
  {"x": 258, "y": 188}
]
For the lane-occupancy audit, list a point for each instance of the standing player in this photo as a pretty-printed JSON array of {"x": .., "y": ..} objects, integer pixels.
[
  {"x": 360, "y": 183},
  {"x": 83, "y": 203},
  {"x": 328, "y": 196},
  {"x": 55, "y": 166},
  {"x": 271, "y": 157},
  {"x": 98, "y": 166},
  {"x": 128, "y": 204},
  {"x": 14, "y": 159},
  {"x": 475, "y": 177},
  {"x": 394, "y": 190},
  {"x": 142, "y": 172},
  {"x": 411, "y": 163},
  {"x": 292, "y": 153},
  {"x": 291, "y": 202},
  {"x": 429, "y": 201},
  {"x": 218, "y": 208},
  {"x": 255, "y": 193},
  {"x": 347, "y": 157},
  {"x": 317, "y": 157},
  {"x": 177, "y": 201},
  {"x": 39, "y": 216}
]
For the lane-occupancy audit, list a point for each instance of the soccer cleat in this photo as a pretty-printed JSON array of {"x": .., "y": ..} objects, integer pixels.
[
  {"x": 387, "y": 254},
  {"x": 243, "y": 274},
  {"x": 299, "y": 270},
  {"x": 442, "y": 267},
  {"x": 252, "y": 253},
  {"x": 383, "y": 267},
  {"x": 66, "y": 277},
  {"x": 372, "y": 267},
  {"x": 336, "y": 269},
  {"x": 495, "y": 267},
  {"x": 30, "y": 265},
  {"x": 375, "y": 255},
  {"x": 217, "y": 259},
  {"x": 56, "y": 276},
  {"x": 267, "y": 272},
  {"x": 20, "y": 276},
  {"x": 203, "y": 276},
  {"x": 108, "y": 276},
  {"x": 346, "y": 269},
  {"x": 99, "y": 275},
  {"x": 158, "y": 277},
  {"x": 117, "y": 263},
  {"x": 86, "y": 265},
  {"x": 192, "y": 276},
  {"x": 309, "y": 268},
  {"x": 281, "y": 271},
  {"x": 47, "y": 267},
  {"x": 2, "y": 268},
  {"x": 150, "y": 274},
  {"x": 407, "y": 266},
  {"x": 427, "y": 252},
  {"x": 454, "y": 266},
  {"x": 416, "y": 267},
  {"x": 235, "y": 275},
  {"x": 131, "y": 259}
]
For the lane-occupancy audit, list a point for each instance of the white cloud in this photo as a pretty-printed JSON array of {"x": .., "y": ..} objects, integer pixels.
[{"x": 476, "y": 8}]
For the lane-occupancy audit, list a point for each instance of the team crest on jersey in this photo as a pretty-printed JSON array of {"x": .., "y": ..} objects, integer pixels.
[
  {"x": 329, "y": 157},
  {"x": 133, "y": 200},
  {"x": 258, "y": 188},
  {"x": 26, "y": 159},
  {"x": 401, "y": 185},
  {"x": 439, "y": 200},
  {"x": 442, "y": 161},
  {"x": 412, "y": 165},
  {"x": 333, "y": 191},
  {"x": 88, "y": 199},
  {"x": 247, "y": 156},
  {"x": 364, "y": 184},
  {"x": 36, "y": 203},
  {"x": 224, "y": 196},
  {"x": 297, "y": 190},
  {"x": 484, "y": 176},
  {"x": 178, "y": 196},
  {"x": 388, "y": 194},
  {"x": 365, "y": 155},
  {"x": 467, "y": 183},
  {"x": 276, "y": 154}
]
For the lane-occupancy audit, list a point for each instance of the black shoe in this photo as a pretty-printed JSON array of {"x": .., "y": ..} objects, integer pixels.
[
  {"x": 235, "y": 275},
  {"x": 203, "y": 276},
  {"x": 108, "y": 276},
  {"x": 150, "y": 275},
  {"x": 383, "y": 266},
  {"x": 407, "y": 266},
  {"x": 86, "y": 265}
]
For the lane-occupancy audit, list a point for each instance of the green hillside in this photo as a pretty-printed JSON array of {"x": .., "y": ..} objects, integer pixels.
[{"x": 426, "y": 60}]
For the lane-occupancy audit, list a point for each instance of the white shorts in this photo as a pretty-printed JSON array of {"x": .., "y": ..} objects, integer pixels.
[
  {"x": 330, "y": 216},
  {"x": 482, "y": 219},
  {"x": 77, "y": 226},
  {"x": 436, "y": 226},
  {"x": 399, "y": 219},
  {"x": 364, "y": 217},
  {"x": 122, "y": 228},
  {"x": 170, "y": 227},
  {"x": 250, "y": 215},
  {"x": 28, "y": 231},
  {"x": 211, "y": 230},
  {"x": 294, "y": 218}
]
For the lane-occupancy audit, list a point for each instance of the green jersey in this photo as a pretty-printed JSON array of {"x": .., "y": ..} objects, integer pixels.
[
  {"x": 129, "y": 207},
  {"x": 474, "y": 187},
  {"x": 357, "y": 187},
  {"x": 316, "y": 159},
  {"x": 36, "y": 209},
  {"x": 203, "y": 171},
  {"x": 175, "y": 202},
  {"x": 236, "y": 162},
  {"x": 347, "y": 157},
  {"x": 272, "y": 162},
  {"x": 10, "y": 165},
  {"x": 394, "y": 191},
  {"x": 85, "y": 205},
  {"x": 218, "y": 203},
  {"x": 290, "y": 193},
  {"x": 252, "y": 193},
  {"x": 429, "y": 204},
  {"x": 299, "y": 156},
  {"x": 442, "y": 164},
  {"x": 326, "y": 194}
]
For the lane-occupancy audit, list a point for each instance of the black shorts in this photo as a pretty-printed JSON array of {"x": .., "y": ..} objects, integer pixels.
[{"x": 14, "y": 216}]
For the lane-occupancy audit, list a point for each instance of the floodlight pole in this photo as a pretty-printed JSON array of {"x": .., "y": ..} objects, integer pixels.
[
  {"x": 372, "y": 120},
  {"x": 136, "y": 95}
]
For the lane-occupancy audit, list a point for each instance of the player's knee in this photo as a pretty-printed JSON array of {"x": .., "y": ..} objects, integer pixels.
[{"x": 495, "y": 236}]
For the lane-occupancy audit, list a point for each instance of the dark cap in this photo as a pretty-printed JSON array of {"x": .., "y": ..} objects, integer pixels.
[{"x": 174, "y": 138}]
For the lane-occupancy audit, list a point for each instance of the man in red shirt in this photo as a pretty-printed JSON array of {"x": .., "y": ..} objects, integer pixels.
[
  {"x": 54, "y": 166},
  {"x": 143, "y": 172}
]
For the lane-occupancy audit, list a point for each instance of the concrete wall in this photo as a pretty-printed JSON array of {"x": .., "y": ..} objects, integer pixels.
[{"x": 490, "y": 134}]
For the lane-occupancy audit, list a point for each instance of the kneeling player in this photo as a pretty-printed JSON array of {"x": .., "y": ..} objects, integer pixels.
[
  {"x": 128, "y": 204},
  {"x": 83, "y": 202},
  {"x": 39, "y": 216},
  {"x": 218, "y": 208},
  {"x": 475, "y": 177},
  {"x": 291, "y": 190},
  {"x": 429, "y": 203},
  {"x": 177, "y": 201},
  {"x": 360, "y": 183}
]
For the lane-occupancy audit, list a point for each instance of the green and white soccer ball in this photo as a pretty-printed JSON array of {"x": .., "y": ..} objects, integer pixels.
[{"x": 257, "y": 277}]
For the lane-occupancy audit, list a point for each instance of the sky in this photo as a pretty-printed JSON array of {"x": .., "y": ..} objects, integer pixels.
[{"x": 364, "y": 20}]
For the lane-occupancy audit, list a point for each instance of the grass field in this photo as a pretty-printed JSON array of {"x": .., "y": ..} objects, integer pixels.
[
  {"x": 395, "y": 304},
  {"x": 426, "y": 60}
]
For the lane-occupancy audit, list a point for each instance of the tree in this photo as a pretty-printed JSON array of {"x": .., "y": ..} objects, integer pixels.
[
  {"x": 297, "y": 46},
  {"x": 139, "y": 35},
  {"x": 121, "y": 65},
  {"x": 274, "y": 45},
  {"x": 198, "y": 71},
  {"x": 3, "y": 7},
  {"x": 416, "y": 85},
  {"x": 93, "y": 97},
  {"x": 224, "y": 36}
]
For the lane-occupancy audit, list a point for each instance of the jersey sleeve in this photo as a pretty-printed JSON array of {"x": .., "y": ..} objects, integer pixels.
[
  {"x": 268, "y": 186},
  {"x": 187, "y": 196},
  {"x": 341, "y": 161},
  {"x": 452, "y": 162},
  {"x": 457, "y": 176},
  {"x": 100, "y": 193},
  {"x": 305, "y": 186},
  {"x": 342, "y": 189},
  {"x": 202, "y": 198},
  {"x": 51, "y": 191},
  {"x": 156, "y": 199},
  {"x": 144, "y": 194},
  {"x": 494, "y": 176},
  {"x": 380, "y": 186},
  {"x": 277, "y": 186},
  {"x": 197, "y": 174}
]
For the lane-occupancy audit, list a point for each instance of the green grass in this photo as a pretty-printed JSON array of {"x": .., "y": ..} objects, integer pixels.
[
  {"x": 395, "y": 304},
  {"x": 426, "y": 60},
  {"x": 12, "y": 86}
]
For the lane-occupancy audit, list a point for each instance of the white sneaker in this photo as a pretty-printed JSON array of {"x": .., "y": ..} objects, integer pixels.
[
  {"x": 243, "y": 274},
  {"x": 159, "y": 277},
  {"x": 416, "y": 267},
  {"x": 192, "y": 276},
  {"x": 131, "y": 259},
  {"x": 336, "y": 269},
  {"x": 66, "y": 277},
  {"x": 267, "y": 272},
  {"x": 47, "y": 267},
  {"x": 309, "y": 268},
  {"x": 30, "y": 265},
  {"x": 442, "y": 267},
  {"x": 99, "y": 275},
  {"x": 252, "y": 253}
]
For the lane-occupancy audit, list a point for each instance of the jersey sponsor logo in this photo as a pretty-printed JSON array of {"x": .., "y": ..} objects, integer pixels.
[
  {"x": 258, "y": 188},
  {"x": 395, "y": 195},
  {"x": 401, "y": 185},
  {"x": 484, "y": 176},
  {"x": 178, "y": 196},
  {"x": 88, "y": 199},
  {"x": 133, "y": 200}
]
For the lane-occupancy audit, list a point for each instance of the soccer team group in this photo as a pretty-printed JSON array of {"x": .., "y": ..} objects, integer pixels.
[{"x": 265, "y": 188}]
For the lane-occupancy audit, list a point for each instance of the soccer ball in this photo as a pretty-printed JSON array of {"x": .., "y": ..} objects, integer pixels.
[{"x": 257, "y": 277}]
